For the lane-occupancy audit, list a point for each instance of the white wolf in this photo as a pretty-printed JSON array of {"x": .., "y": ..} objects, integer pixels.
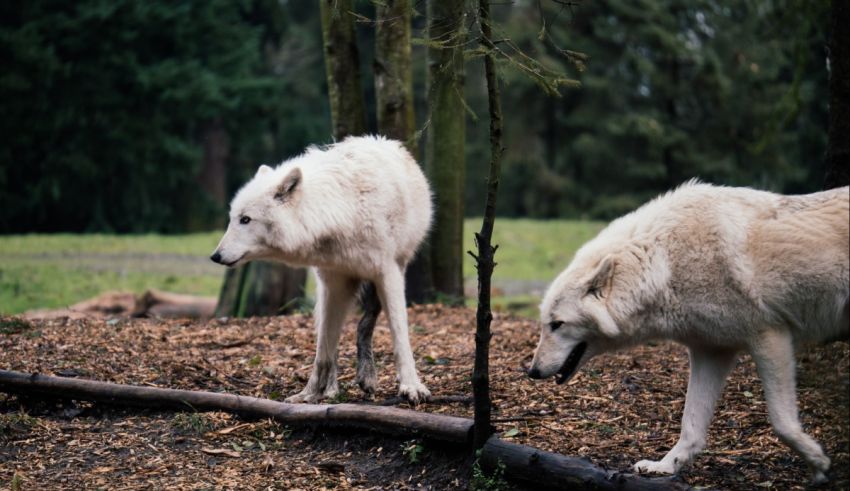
[
  {"x": 356, "y": 211},
  {"x": 719, "y": 270}
]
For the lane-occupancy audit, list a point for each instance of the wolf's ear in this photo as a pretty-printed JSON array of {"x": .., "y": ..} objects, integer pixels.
[
  {"x": 263, "y": 170},
  {"x": 602, "y": 279},
  {"x": 288, "y": 185}
]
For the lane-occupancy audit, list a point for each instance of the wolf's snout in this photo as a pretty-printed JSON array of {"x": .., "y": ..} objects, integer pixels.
[
  {"x": 534, "y": 373},
  {"x": 216, "y": 257}
]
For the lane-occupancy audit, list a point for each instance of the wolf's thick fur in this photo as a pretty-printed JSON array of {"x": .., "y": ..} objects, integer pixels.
[
  {"x": 720, "y": 270},
  {"x": 355, "y": 211}
]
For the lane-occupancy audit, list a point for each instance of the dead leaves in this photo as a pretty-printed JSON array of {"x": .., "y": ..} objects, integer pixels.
[
  {"x": 618, "y": 409},
  {"x": 221, "y": 451}
]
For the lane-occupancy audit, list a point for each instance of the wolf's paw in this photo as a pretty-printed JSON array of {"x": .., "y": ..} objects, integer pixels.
[
  {"x": 654, "y": 467},
  {"x": 306, "y": 396},
  {"x": 313, "y": 397},
  {"x": 818, "y": 478},
  {"x": 819, "y": 469},
  {"x": 367, "y": 380},
  {"x": 415, "y": 392}
]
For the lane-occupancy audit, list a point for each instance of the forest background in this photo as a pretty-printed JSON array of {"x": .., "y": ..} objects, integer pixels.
[{"x": 128, "y": 117}]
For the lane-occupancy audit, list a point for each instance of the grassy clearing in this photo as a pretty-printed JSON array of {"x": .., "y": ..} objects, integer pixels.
[
  {"x": 57, "y": 270},
  {"x": 530, "y": 249},
  {"x": 33, "y": 244}
]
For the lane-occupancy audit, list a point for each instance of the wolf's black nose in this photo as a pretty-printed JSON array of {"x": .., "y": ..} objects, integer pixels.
[
  {"x": 534, "y": 373},
  {"x": 216, "y": 257}
]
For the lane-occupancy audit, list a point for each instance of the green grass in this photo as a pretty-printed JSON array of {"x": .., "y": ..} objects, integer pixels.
[
  {"x": 57, "y": 270},
  {"x": 188, "y": 244},
  {"x": 52, "y": 271},
  {"x": 530, "y": 249}
]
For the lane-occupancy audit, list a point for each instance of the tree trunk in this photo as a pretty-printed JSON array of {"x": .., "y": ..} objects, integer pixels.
[
  {"x": 838, "y": 148},
  {"x": 395, "y": 111},
  {"x": 208, "y": 207},
  {"x": 216, "y": 151},
  {"x": 261, "y": 288},
  {"x": 342, "y": 63},
  {"x": 393, "y": 72},
  {"x": 445, "y": 144},
  {"x": 484, "y": 259}
]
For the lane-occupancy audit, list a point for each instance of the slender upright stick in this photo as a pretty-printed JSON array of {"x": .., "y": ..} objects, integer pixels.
[{"x": 486, "y": 252}]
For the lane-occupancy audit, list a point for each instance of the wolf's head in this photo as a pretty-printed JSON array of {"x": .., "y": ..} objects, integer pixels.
[
  {"x": 575, "y": 321},
  {"x": 258, "y": 212},
  {"x": 598, "y": 302}
]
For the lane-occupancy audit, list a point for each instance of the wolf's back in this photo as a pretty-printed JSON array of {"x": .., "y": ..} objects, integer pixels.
[{"x": 801, "y": 256}]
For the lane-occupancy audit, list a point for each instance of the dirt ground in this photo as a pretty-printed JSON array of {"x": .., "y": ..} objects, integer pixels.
[{"x": 621, "y": 408}]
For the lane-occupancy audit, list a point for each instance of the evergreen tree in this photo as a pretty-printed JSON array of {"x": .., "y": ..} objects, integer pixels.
[{"x": 104, "y": 104}]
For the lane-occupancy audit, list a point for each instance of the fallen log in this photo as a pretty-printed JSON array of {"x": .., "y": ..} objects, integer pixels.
[
  {"x": 387, "y": 420},
  {"x": 547, "y": 470},
  {"x": 160, "y": 304},
  {"x": 153, "y": 303},
  {"x": 543, "y": 470}
]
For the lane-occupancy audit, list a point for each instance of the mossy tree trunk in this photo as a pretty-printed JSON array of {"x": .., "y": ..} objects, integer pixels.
[
  {"x": 445, "y": 143},
  {"x": 395, "y": 111},
  {"x": 261, "y": 288},
  {"x": 342, "y": 64},
  {"x": 211, "y": 201},
  {"x": 838, "y": 148}
]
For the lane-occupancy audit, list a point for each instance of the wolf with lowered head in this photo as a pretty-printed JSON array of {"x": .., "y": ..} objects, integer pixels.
[
  {"x": 355, "y": 211},
  {"x": 720, "y": 270}
]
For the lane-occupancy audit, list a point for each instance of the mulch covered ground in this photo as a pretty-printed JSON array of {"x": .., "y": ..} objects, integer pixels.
[{"x": 621, "y": 408}]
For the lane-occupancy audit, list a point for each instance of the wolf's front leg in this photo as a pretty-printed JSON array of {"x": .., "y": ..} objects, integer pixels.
[
  {"x": 391, "y": 291},
  {"x": 709, "y": 369},
  {"x": 773, "y": 353},
  {"x": 334, "y": 296}
]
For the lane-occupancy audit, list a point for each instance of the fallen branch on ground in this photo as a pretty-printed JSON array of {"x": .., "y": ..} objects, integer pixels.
[
  {"x": 387, "y": 420},
  {"x": 546, "y": 470},
  {"x": 392, "y": 401}
]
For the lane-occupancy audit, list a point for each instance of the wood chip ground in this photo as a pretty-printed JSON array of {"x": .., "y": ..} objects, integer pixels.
[{"x": 621, "y": 408}]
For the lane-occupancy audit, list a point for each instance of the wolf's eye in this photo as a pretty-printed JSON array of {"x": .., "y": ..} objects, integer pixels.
[
  {"x": 595, "y": 292},
  {"x": 554, "y": 325},
  {"x": 245, "y": 220}
]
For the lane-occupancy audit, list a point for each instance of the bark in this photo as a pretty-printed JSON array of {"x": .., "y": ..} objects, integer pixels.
[
  {"x": 342, "y": 63},
  {"x": 211, "y": 179},
  {"x": 486, "y": 251},
  {"x": 260, "y": 288},
  {"x": 838, "y": 147},
  {"x": 393, "y": 72},
  {"x": 159, "y": 304},
  {"x": 445, "y": 144},
  {"x": 546, "y": 470},
  {"x": 387, "y": 420},
  {"x": 395, "y": 111},
  {"x": 216, "y": 147}
]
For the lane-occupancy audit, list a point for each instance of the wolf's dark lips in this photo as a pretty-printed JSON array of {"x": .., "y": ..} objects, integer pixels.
[
  {"x": 571, "y": 363},
  {"x": 230, "y": 264}
]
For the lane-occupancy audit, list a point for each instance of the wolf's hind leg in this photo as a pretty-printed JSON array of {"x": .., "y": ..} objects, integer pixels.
[
  {"x": 773, "y": 353},
  {"x": 366, "y": 377},
  {"x": 334, "y": 296},
  {"x": 709, "y": 369}
]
